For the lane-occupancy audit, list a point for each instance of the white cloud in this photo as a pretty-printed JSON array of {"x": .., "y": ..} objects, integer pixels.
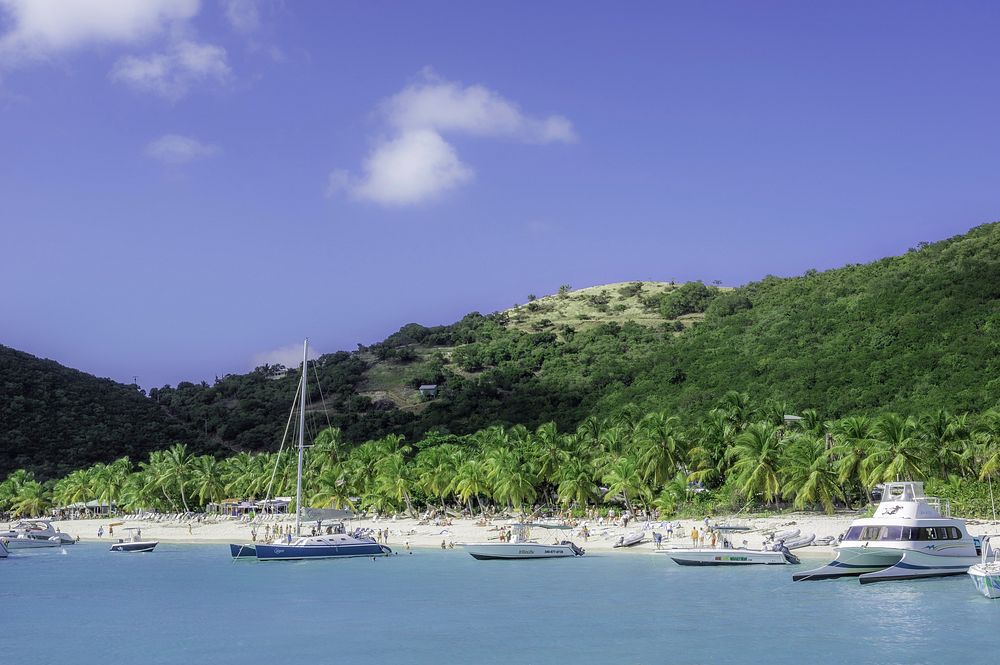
[
  {"x": 417, "y": 164},
  {"x": 177, "y": 149},
  {"x": 289, "y": 356},
  {"x": 242, "y": 15},
  {"x": 448, "y": 107},
  {"x": 172, "y": 74},
  {"x": 40, "y": 28}
]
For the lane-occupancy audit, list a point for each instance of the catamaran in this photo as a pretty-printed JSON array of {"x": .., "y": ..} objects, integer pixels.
[
  {"x": 329, "y": 546},
  {"x": 910, "y": 536}
]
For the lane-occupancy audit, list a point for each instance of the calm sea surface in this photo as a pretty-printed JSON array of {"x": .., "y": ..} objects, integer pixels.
[{"x": 192, "y": 604}]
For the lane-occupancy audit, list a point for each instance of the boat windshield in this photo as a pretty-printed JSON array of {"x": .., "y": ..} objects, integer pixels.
[{"x": 909, "y": 533}]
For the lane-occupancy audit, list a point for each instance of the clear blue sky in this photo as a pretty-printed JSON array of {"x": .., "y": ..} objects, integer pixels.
[{"x": 188, "y": 187}]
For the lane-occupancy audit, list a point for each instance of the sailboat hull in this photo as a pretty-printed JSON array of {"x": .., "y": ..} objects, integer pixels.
[{"x": 298, "y": 552}]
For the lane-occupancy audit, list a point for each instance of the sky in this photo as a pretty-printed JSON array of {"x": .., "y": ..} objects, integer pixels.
[{"x": 188, "y": 189}]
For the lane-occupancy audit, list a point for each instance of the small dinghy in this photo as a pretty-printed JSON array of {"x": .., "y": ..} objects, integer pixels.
[
  {"x": 801, "y": 541},
  {"x": 786, "y": 535},
  {"x": 630, "y": 539},
  {"x": 134, "y": 542}
]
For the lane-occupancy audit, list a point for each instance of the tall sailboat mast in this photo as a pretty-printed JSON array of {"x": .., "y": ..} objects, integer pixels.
[{"x": 302, "y": 440}]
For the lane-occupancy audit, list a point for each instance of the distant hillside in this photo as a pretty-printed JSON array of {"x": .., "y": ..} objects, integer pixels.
[
  {"x": 908, "y": 333},
  {"x": 54, "y": 419}
]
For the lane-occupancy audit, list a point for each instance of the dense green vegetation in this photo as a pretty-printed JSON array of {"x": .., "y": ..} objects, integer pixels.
[
  {"x": 54, "y": 419},
  {"x": 907, "y": 334},
  {"x": 738, "y": 456}
]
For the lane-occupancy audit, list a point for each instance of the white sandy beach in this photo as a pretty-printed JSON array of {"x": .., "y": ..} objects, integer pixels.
[{"x": 415, "y": 533}]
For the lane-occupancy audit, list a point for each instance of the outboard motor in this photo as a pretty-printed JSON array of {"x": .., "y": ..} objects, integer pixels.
[{"x": 578, "y": 551}]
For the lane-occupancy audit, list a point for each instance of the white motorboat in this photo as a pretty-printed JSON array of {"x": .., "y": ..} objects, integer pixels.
[
  {"x": 522, "y": 547},
  {"x": 134, "y": 542},
  {"x": 910, "y": 536},
  {"x": 34, "y": 534},
  {"x": 986, "y": 574},
  {"x": 728, "y": 556}
]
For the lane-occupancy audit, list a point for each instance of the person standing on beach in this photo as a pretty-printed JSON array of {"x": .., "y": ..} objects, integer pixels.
[
  {"x": 100, "y": 531},
  {"x": 694, "y": 536}
]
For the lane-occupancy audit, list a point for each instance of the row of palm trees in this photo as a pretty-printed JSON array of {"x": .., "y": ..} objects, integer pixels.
[{"x": 737, "y": 454}]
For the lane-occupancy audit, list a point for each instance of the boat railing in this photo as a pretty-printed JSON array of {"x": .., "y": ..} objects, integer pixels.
[{"x": 942, "y": 506}]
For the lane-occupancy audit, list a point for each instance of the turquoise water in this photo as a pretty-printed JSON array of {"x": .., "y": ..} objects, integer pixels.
[{"x": 192, "y": 604}]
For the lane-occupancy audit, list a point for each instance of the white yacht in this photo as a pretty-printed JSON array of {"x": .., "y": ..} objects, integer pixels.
[
  {"x": 986, "y": 574},
  {"x": 34, "y": 534},
  {"x": 522, "y": 547},
  {"x": 909, "y": 537}
]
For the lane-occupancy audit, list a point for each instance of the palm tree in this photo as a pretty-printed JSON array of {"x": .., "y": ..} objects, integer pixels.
[
  {"x": 511, "y": 481},
  {"x": 809, "y": 476},
  {"x": 471, "y": 480},
  {"x": 179, "y": 464},
  {"x": 708, "y": 458},
  {"x": 660, "y": 447},
  {"x": 77, "y": 487},
  {"x": 624, "y": 478},
  {"x": 332, "y": 488},
  {"x": 206, "y": 479},
  {"x": 394, "y": 481},
  {"x": 853, "y": 439},
  {"x": 898, "y": 453},
  {"x": 674, "y": 492},
  {"x": 31, "y": 500},
  {"x": 756, "y": 453},
  {"x": 946, "y": 437},
  {"x": 986, "y": 437},
  {"x": 435, "y": 469},
  {"x": 576, "y": 484}
]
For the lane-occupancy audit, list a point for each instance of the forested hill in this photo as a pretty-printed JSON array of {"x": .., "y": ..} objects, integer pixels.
[
  {"x": 54, "y": 419},
  {"x": 909, "y": 333}
]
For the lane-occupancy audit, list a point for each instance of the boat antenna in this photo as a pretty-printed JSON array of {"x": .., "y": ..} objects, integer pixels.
[{"x": 302, "y": 439}]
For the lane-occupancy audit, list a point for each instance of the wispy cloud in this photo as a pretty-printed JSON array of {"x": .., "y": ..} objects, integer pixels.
[
  {"x": 242, "y": 15},
  {"x": 42, "y": 28},
  {"x": 289, "y": 356},
  {"x": 416, "y": 164},
  {"x": 177, "y": 149},
  {"x": 172, "y": 74},
  {"x": 444, "y": 106}
]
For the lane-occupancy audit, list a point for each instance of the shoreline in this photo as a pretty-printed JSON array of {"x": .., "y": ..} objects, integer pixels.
[{"x": 409, "y": 532}]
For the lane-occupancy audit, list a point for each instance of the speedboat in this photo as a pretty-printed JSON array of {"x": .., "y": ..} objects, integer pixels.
[
  {"x": 727, "y": 556},
  {"x": 986, "y": 574},
  {"x": 910, "y": 536},
  {"x": 522, "y": 547},
  {"x": 34, "y": 534},
  {"x": 134, "y": 542}
]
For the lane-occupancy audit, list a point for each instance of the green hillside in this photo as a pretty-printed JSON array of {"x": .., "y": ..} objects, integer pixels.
[
  {"x": 911, "y": 333},
  {"x": 54, "y": 419}
]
